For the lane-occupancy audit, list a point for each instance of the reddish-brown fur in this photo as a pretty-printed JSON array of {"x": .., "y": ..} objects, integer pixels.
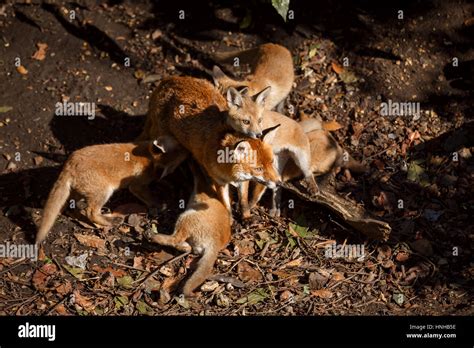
[{"x": 95, "y": 172}]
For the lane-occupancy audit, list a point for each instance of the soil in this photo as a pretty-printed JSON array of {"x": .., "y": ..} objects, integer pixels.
[{"x": 349, "y": 59}]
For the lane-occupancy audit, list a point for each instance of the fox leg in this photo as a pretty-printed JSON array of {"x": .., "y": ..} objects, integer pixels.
[
  {"x": 303, "y": 161},
  {"x": 94, "y": 205},
  {"x": 257, "y": 193},
  {"x": 276, "y": 202},
  {"x": 244, "y": 199},
  {"x": 142, "y": 192},
  {"x": 175, "y": 241}
]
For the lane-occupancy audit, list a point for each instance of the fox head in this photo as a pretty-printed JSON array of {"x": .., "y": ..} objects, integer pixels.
[
  {"x": 245, "y": 113},
  {"x": 253, "y": 158},
  {"x": 167, "y": 154}
]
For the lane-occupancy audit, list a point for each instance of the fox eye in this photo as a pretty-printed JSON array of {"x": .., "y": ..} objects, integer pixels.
[
  {"x": 246, "y": 122},
  {"x": 259, "y": 169}
]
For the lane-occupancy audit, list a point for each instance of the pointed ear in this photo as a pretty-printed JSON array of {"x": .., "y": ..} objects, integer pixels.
[
  {"x": 269, "y": 133},
  {"x": 234, "y": 99},
  {"x": 242, "y": 150},
  {"x": 217, "y": 74},
  {"x": 261, "y": 96},
  {"x": 164, "y": 144},
  {"x": 244, "y": 91}
]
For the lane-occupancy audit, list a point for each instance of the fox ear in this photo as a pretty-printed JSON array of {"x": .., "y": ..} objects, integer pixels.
[
  {"x": 234, "y": 99},
  {"x": 244, "y": 91},
  {"x": 269, "y": 133},
  {"x": 164, "y": 144},
  {"x": 217, "y": 74},
  {"x": 261, "y": 96},
  {"x": 242, "y": 150}
]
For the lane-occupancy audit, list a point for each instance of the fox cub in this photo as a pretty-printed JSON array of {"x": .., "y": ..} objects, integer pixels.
[
  {"x": 95, "y": 172},
  {"x": 271, "y": 66},
  {"x": 195, "y": 114},
  {"x": 204, "y": 228},
  {"x": 289, "y": 143},
  {"x": 326, "y": 156},
  {"x": 179, "y": 98}
]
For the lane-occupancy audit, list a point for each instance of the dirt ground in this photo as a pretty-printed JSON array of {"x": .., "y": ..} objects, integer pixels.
[{"x": 420, "y": 179}]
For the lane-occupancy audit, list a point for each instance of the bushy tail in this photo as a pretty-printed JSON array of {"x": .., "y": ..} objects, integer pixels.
[
  {"x": 203, "y": 270},
  {"x": 56, "y": 199}
]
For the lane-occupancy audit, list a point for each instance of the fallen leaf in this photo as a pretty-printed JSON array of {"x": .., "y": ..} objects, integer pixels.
[
  {"x": 247, "y": 273},
  {"x": 156, "y": 34},
  {"x": 64, "y": 288},
  {"x": 138, "y": 262},
  {"x": 42, "y": 275},
  {"x": 91, "y": 241},
  {"x": 40, "y": 54},
  {"x": 144, "y": 308},
  {"x": 338, "y": 69},
  {"x": 38, "y": 160},
  {"x": 125, "y": 282},
  {"x": 4, "y": 109},
  {"x": 317, "y": 280},
  {"x": 108, "y": 88},
  {"x": 293, "y": 263},
  {"x": 258, "y": 295},
  {"x": 77, "y": 261},
  {"x": 83, "y": 301},
  {"x": 116, "y": 272},
  {"x": 120, "y": 301},
  {"x": 245, "y": 247},
  {"x": 22, "y": 70},
  {"x": 209, "y": 286},
  {"x": 402, "y": 256},
  {"x": 322, "y": 293},
  {"x": 75, "y": 271}
]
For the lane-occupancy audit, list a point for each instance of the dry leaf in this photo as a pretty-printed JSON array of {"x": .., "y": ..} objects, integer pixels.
[
  {"x": 91, "y": 241},
  {"x": 322, "y": 293},
  {"x": 40, "y": 54},
  {"x": 41, "y": 276},
  {"x": 64, "y": 288},
  {"x": 337, "y": 68},
  {"x": 293, "y": 263},
  {"x": 138, "y": 262},
  {"x": 118, "y": 273},
  {"x": 22, "y": 70},
  {"x": 247, "y": 273},
  {"x": 83, "y": 301},
  {"x": 108, "y": 88},
  {"x": 332, "y": 126}
]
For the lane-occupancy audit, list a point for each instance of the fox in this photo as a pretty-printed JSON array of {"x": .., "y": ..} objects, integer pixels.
[
  {"x": 203, "y": 228},
  {"x": 289, "y": 143},
  {"x": 326, "y": 157},
  {"x": 241, "y": 113},
  {"x": 193, "y": 112},
  {"x": 326, "y": 153},
  {"x": 96, "y": 172},
  {"x": 271, "y": 66}
]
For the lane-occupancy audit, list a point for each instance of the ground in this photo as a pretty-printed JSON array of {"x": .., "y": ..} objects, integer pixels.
[{"x": 348, "y": 60}]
